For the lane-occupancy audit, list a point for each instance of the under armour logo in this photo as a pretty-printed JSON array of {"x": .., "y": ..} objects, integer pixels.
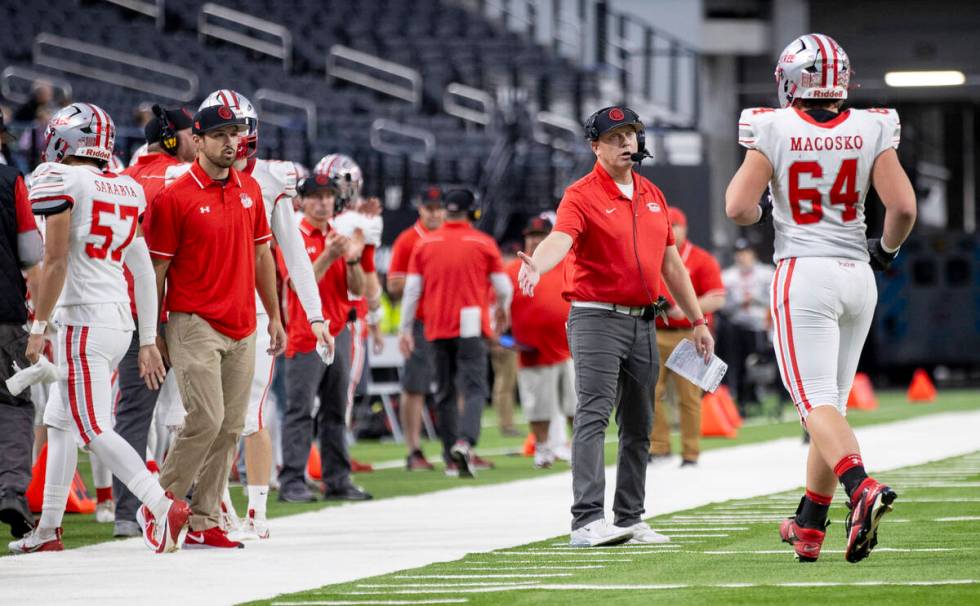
[
  {"x": 653, "y": 207},
  {"x": 205, "y": 209},
  {"x": 311, "y": 250}
]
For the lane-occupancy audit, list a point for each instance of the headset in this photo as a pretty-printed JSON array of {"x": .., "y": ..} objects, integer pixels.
[
  {"x": 168, "y": 131},
  {"x": 628, "y": 116}
]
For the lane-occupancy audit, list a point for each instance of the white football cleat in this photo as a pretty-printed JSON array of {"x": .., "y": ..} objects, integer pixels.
[
  {"x": 33, "y": 541},
  {"x": 543, "y": 457},
  {"x": 642, "y": 533},
  {"x": 253, "y": 528},
  {"x": 600, "y": 533},
  {"x": 228, "y": 520},
  {"x": 105, "y": 512}
]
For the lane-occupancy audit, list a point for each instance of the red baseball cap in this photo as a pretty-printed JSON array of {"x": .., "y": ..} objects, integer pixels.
[{"x": 677, "y": 216}]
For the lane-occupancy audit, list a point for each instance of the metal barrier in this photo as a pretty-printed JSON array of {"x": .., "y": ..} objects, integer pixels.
[
  {"x": 474, "y": 95},
  {"x": 82, "y": 59},
  {"x": 381, "y": 126},
  {"x": 360, "y": 64},
  {"x": 568, "y": 135},
  {"x": 265, "y": 96},
  {"x": 150, "y": 8},
  {"x": 283, "y": 49},
  {"x": 13, "y": 73}
]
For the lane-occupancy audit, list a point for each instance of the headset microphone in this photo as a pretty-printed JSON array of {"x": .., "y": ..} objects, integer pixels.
[{"x": 640, "y": 156}]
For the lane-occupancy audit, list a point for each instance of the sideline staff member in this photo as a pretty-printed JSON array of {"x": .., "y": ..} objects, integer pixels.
[
  {"x": 450, "y": 268},
  {"x": 616, "y": 223}
]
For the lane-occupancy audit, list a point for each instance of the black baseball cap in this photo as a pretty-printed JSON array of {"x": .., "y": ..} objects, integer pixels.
[
  {"x": 538, "y": 225},
  {"x": 431, "y": 195},
  {"x": 180, "y": 117},
  {"x": 609, "y": 118},
  {"x": 317, "y": 182},
  {"x": 214, "y": 117},
  {"x": 459, "y": 200}
]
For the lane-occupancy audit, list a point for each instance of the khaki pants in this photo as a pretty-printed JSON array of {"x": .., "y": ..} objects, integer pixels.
[
  {"x": 504, "y": 382},
  {"x": 688, "y": 402},
  {"x": 214, "y": 376}
]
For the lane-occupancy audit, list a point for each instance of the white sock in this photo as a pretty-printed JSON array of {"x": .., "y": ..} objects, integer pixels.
[
  {"x": 227, "y": 502},
  {"x": 101, "y": 474},
  {"x": 58, "y": 474},
  {"x": 126, "y": 465},
  {"x": 257, "y": 497}
]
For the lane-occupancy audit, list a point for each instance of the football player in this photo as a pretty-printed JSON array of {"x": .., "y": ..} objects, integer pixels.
[
  {"x": 91, "y": 231},
  {"x": 818, "y": 159}
]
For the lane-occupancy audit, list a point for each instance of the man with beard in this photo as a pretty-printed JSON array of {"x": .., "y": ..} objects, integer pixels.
[{"x": 213, "y": 213}]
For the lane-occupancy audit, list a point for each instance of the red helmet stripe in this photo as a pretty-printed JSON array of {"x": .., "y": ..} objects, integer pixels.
[
  {"x": 326, "y": 171},
  {"x": 108, "y": 127},
  {"x": 224, "y": 99},
  {"x": 825, "y": 59},
  {"x": 98, "y": 119},
  {"x": 833, "y": 46}
]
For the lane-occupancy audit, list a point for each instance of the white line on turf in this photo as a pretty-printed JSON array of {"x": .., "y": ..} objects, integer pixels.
[
  {"x": 958, "y": 519},
  {"x": 877, "y": 550},
  {"x": 435, "y": 585},
  {"x": 508, "y": 562},
  {"x": 505, "y": 568},
  {"x": 663, "y": 587}
]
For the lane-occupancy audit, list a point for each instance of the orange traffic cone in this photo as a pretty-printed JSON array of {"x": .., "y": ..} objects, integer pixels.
[
  {"x": 728, "y": 406},
  {"x": 313, "y": 467},
  {"x": 862, "y": 396},
  {"x": 529, "y": 445},
  {"x": 78, "y": 499},
  {"x": 921, "y": 389},
  {"x": 714, "y": 423}
]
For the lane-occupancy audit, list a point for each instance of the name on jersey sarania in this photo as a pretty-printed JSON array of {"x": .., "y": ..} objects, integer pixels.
[
  {"x": 115, "y": 189},
  {"x": 838, "y": 142}
]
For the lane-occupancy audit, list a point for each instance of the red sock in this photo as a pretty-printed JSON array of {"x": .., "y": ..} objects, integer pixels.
[
  {"x": 850, "y": 472},
  {"x": 103, "y": 494},
  {"x": 819, "y": 499}
]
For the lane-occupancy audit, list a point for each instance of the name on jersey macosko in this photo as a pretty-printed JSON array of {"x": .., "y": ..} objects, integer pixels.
[
  {"x": 115, "y": 189},
  {"x": 836, "y": 143}
]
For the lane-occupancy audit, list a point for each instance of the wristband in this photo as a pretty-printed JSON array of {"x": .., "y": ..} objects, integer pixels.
[
  {"x": 373, "y": 317},
  {"x": 38, "y": 327},
  {"x": 699, "y": 322}
]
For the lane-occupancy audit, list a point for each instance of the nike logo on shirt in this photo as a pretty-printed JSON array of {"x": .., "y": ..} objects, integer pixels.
[{"x": 610, "y": 210}]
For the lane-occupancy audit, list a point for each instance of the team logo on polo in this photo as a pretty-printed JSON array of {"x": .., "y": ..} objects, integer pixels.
[
  {"x": 653, "y": 207},
  {"x": 246, "y": 201}
]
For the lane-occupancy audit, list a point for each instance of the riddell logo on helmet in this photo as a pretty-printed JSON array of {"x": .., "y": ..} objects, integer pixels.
[
  {"x": 827, "y": 94},
  {"x": 787, "y": 58}
]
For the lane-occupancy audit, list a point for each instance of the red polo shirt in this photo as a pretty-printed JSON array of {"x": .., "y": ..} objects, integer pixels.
[
  {"x": 705, "y": 276},
  {"x": 538, "y": 322},
  {"x": 600, "y": 221},
  {"x": 149, "y": 171},
  {"x": 401, "y": 252},
  {"x": 455, "y": 262},
  {"x": 208, "y": 231},
  {"x": 333, "y": 294}
]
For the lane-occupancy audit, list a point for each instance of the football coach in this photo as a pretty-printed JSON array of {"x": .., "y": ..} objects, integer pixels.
[{"x": 615, "y": 222}]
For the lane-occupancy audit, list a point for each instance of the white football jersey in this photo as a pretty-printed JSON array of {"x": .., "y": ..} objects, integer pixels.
[
  {"x": 821, "y": 175},
  {"x": 105, "y": 210}
]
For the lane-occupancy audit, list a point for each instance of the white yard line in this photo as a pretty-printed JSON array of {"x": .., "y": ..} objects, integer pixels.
[
  {"x": 877, "y": 550},
  {"x": 371, "y": 602},
  {"x": 393, "y": 589},
  {"x": 959, "y": 519},
  {"x": 350, "y": 542}
]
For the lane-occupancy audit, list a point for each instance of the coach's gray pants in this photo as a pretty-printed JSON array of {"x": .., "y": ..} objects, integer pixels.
[
  {"x": 306, "y": 378},
  {"x": 615, "y": 361},
  {"x": 461, "y": 368},
  {"x": 133, "y": 416}
]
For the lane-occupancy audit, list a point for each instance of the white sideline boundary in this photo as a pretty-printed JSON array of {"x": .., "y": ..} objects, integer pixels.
[{"x": 341, "y": 544}]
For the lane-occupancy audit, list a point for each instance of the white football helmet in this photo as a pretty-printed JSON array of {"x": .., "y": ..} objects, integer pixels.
[
  {"x": 813, "y": 66},
  {"x": 80, "y": 129},
  {"x": 248, "y": 145},
  {"x": 345, "y": 173}
]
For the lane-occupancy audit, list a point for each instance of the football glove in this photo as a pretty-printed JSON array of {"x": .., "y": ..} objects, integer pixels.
[
  {"x": 766, "y": 216},
  {"x": 881, "y": 260}
]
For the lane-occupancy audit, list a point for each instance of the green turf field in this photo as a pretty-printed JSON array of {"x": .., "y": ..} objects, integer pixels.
[
  {"x": 726, "y": 553},
  {"x": 82, "y": 530}
]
